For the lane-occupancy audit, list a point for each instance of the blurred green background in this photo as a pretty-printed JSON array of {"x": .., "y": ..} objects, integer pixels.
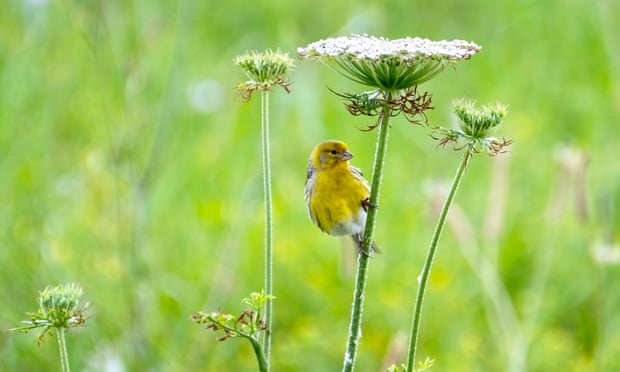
[{"x": 129, "y": 164}]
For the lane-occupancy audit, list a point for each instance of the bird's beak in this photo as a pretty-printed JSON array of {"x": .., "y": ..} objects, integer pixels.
[{"x": 346, "y": 155}]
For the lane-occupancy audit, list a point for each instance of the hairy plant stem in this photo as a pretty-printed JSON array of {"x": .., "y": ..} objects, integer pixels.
[
  {"x": 62, "y": 348},
  {"x": 268, "y": 221},
  {"x": 362, "y": 261},
  {"x": 430, "y": 257}
]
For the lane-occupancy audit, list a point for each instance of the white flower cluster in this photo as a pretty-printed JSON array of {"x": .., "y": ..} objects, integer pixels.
[{"x": 364, "y": 47}]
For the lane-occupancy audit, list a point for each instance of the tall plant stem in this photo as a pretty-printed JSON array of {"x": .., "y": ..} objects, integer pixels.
[
  {"x": 268, "y": 221},
  {"x": 62, "y": 348},
  {"x": 362, "y": 261},
  {"x": 430, "y": 257}
]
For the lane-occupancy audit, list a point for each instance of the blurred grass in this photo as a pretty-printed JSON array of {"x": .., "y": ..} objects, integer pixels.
[{"x": 128, "y": 164}]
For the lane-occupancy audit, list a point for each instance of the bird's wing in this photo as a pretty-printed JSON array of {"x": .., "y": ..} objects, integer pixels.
[
  {"x": 357, "y": 173},
  {"x": 309, "y": 181},
  {"x": 310, "y": 170}
]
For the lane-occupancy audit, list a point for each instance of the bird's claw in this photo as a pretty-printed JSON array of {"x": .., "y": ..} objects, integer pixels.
[
  {"x": 360, "y": 246},
  {"x": 366, "y": 203}
]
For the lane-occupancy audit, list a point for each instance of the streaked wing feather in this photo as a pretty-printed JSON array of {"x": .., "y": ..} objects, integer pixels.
[
  {"x": 309, "y": 186},
  {"x": 310, "y": 170},
  {"x": 358, "y": 174}
]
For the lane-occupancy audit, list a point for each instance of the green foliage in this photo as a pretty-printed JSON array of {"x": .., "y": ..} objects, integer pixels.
[
  {"x": 248, "y": 324},
  {"x": 127, "y": 164},
  {"x": 422, "y": 366}
]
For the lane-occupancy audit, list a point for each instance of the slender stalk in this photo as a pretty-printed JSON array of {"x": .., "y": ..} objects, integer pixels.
[
  {"x": 430, "y": 257},
  {"x": 362, "y": 261},
  {"x": 62, "y": 348},
  {"x": 268, "y": 221},
  {"x": 231, "y": 330},
  {"x": 263, "y": 362}
]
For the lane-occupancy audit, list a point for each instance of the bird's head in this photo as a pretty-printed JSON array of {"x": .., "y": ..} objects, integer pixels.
[{"x": 329, "y": 154}]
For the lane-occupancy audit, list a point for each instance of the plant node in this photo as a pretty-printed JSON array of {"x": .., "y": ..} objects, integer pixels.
[{"x": 410, "y": 103}]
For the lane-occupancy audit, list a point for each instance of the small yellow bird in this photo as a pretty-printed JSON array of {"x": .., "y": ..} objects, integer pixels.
[{"x": 337, "y": 195}]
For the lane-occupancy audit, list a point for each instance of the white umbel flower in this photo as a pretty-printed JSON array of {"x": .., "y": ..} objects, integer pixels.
[
  {"x": 389, "y": 64},
  {"x": 364, "y": 47}
]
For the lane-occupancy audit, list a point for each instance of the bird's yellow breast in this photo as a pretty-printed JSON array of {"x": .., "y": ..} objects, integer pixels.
[{"x": 336, "y": 203}]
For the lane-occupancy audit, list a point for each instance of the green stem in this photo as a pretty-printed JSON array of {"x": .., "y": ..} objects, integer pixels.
[
  {"x": 268, "y": 222},
  {"x": 362, "y": 262},
  {"x": 430, "y": 257},
  {"x": 263, "y": 362},
  {"x": 62, "y": 348}
]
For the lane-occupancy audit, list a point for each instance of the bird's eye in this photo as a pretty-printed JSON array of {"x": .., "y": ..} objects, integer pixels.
[{"x": 333, "y": 152}]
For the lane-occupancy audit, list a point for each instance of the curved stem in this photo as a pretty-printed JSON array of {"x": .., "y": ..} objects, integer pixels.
[
  {"x": 428, "y": 262},
  {"x": 62, "y": 348},
  {"x": 263, "y": 362},
  {"x": 362, "y": 262},
  {"x": 268, "y": 221}
]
